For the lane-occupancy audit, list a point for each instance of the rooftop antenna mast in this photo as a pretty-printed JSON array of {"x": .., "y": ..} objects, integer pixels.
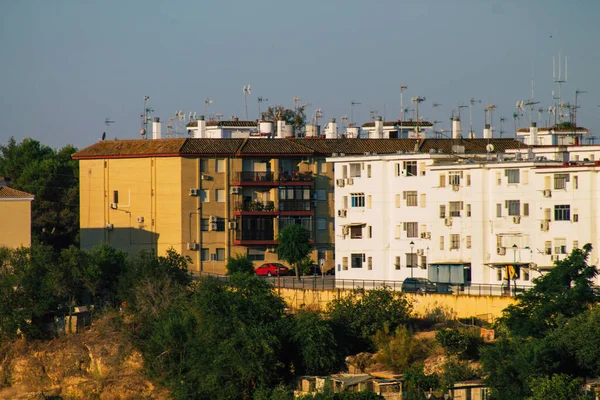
[
  {"x": 344, "y": 121},
  {"x": 434, "y": 122},
  {"x": 107, "y": 123},
  {"x": 352, "y": 104},
  {"x": 372, "y": 113},
  {"x": 502, "y": 119},
  {"x": 207, "y": 102},
  {"x": 146, "y": 118},
  {"x": 459, "y": 107},
  {"x": 559, "y": 79},
  {"x": 472, "y": 101},
  {"x": 417, "y": 100},
  {"x": 530, "y": 104},
  {"x": 246, "y": 90},
  {"x": 260, "y": 99},
  {"x": 490, "y": 110}
]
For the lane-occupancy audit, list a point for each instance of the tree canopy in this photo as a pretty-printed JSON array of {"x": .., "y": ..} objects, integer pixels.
[
  {"x": 294, "y": 245},
  {"x": 296, "y": 117}
]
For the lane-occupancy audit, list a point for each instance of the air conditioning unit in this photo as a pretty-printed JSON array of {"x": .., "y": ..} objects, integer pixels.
[
  {"x": 140, "y": 219},
  {"x": 420, "y": 252},
  {"x": 205, "y": 177},
  {"x": 428, "y": 235},
  {"x": 212, "y": 226},
  {"x": 448, "y": 221},
  {"x": 403, "y": 172},
  {"x": 455, "y": 188},
  {"x": 346, "y": 230},
  {"x": 114, "y": 206},
  {"x": 545, "y": 225},
  {"x": 192, "y": 246},
  {"x": 212, "y": 219},
  {"x": 501, "y": 251},
  {"x": 110, "y": 227},
  {"x": 575, "y": 217},
  {"x": 340, "y": 182},
  {"x": 350, "y": 181},
  {"x": 236, "y": 190},
  {"x": 194, "y": 192},
  {"x": 423, "y": 235},
  {"x": 342, "y": 213},
  {"x": 547, "y": 193},
  {"x": 232, "y": 225},
  {"x": 516, "y": 220}
]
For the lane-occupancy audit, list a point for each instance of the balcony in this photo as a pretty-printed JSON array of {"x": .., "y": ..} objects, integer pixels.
[
  {"x": 289, "y": 178},
  {"x": 296, "y": 207},
  {"x": 255, "y": 208},
  {"x": 254, "y": 230}
]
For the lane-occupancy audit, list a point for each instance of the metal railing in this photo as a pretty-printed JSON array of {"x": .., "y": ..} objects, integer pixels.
[
  {"x": 295, "y": 205},
  {"x": 251, "y": 176},
  {"x": 292, "y": 176},
  {"x": 260, "y": 206}
]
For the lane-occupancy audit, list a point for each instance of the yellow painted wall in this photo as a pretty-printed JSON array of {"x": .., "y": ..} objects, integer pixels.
[
  {"x": 15, "y": 226},
  {"x": 462, "y": 306}
]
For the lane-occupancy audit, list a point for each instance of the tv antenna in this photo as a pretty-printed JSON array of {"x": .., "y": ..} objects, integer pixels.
[
  {"x": 472, "y": 101},
  {"x": 246, "y": 90},
  {"x": 402, "y": 89},
  {"x": 260, "y": 99},
  {"x": 318, "y": 115},
  {"x": 502, "y": 119},
  {"x": 459, "y": 107},
  {"x": 489, "y": 109},
  {"x": 344, "y": 119},
  {"x": 107, "y": 123},
  {"x": 372, "y": 113},
  {"x": 434, "y": 122},
  {"x": 146, "y": 118},
  {"x": 207, "y": 102},
  {"x": 559, "y": 79},
  {"x": 352, "y": 104}
]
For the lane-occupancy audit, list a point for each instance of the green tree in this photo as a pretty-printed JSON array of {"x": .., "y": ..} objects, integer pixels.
[
  {"x": 398, "y": 350},
  {"x": 294, "y": 245},
  {"x": 111, "y": 265},
  {"x": 454, "y": 341},
  {"x": 240, "y": 263},
  {"x": 564, "y": 292},
  {"x": 557, "y": 387},
  {"x": 296, "y": 117}
]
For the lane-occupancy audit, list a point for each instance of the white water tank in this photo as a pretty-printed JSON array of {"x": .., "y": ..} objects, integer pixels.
[
  {"x": 265, "y": 128},
  {"x": 487, "y": 132},
  {"x": 456, "y": 131},
  {"x": 331, "y": 129},
  {"x": 288, "y": 131},
  {"x": 378, "y": 128},
  {"x": 312, "y": 131},
  {"x": 352, "y": 132},
  {"x": 156, "y": 128}
]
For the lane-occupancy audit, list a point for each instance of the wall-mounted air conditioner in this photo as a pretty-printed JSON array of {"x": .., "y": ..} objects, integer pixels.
[
  {"x": 340, "y": 182},
  {"x": 212, "y": 218},
  {"x": 212, "y": 226},
  {"x": 194, "y": 192},
  {"x": 342, "y": 213},
  {"x": 544, "y": 225},
  {"x": 448, "y": 221},
  {"x": 140, "y": 219},
  {"x": 516, "y": 220},
  {"x": 350, "y": 181},
  {"x": 236, "y": 190},
  {"x": 193, "y": 246},
  {"x": 110, "y": 227},
  {"x": 547, "y": 193},
  {"x": 420, "y": 252},
  {"x": 232, "y": 225},
  {"x": 501, "y": 251},
  {"x": 455, "y": 188}
]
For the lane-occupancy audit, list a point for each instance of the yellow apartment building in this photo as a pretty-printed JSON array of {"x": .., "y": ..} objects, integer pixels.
[
  {"x": 210, "y": 199},
  {"x": 15, "y": 214}
]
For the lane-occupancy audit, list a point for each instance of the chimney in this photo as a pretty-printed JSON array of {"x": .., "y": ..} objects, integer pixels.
[
  {"x": 487, "y": 132},
  {"x": 331, "y": 131},
  {"x": 156, "y": 128},
  {"x": 201, "y": 131},
  {"x": 456, "y": 132},
  {"x": 280, "y": 129},
  {"x": 378, "y": 128},
  {"x": 533, "y": 134}
]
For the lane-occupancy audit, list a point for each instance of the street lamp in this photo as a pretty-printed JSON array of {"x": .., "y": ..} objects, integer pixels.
[{"x": 412, "y": 245}]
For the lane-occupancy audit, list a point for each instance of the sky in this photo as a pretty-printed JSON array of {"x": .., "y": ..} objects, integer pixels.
[{"x": 67, "y": 65}]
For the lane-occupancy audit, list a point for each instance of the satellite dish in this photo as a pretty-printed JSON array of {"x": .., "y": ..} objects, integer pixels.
[{"x": 490, "y": 148}]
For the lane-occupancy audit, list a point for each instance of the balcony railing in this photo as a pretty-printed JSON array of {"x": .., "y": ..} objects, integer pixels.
[
  {"x": 255, "y": 206},
  {"x": 251, "y": 176},
  {"x": 291, "y": 176},
  {"x": 272, "y": 177},
  {"x": 295, "y": 205},
  {"x": 254, "y": 235}
]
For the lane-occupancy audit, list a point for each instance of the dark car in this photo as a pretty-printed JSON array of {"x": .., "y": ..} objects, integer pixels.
[
  {"x": 271, "y": 269},
  {"x": 418, "y": 285},
  {"x": 313, "y": 270},
  {"x": 330, "y": 271}
]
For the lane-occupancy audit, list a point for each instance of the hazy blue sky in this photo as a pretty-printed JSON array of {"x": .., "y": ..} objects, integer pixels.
[{"x": 67, "y": 65}]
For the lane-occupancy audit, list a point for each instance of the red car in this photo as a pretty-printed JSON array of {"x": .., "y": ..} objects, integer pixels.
[{"x": 270, "y": 269}]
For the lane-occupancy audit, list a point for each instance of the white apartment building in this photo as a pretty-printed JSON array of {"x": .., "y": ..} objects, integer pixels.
[{"x": 465, "y": 219}]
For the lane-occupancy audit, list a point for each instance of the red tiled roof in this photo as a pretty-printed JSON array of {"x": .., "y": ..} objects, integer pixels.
[{"x": 10, "y": 193}]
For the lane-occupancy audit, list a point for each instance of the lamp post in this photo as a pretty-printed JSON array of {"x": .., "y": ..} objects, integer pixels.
[
  {"x": 515, "y": 248},
  {"x": 412, "y": 245}
]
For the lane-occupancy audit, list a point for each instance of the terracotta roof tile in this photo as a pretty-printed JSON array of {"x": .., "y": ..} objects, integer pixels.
[
  {"x": 10, "y": 193},
  {"x": 118, "y": 148},
  {"x": 211, "y": 146},
  {"x": 274, "y": 146}
]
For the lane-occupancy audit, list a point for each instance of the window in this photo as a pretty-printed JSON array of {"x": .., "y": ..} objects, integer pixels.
[
  {"x": 220, "y": 165},
  {"x": 547, "y": 247},
  {"x": 410, "y": 168},
  {"x": 357, "y": 260},
  {"x": 411, "y": 198},
  {"x": 454, "y": 177},
  {"x": 455, "y": 207},
  {"x": 369, "y": 201},
  {"x": 322, "y": 195},
  {"x": 397, "y": 263},
  {"x": 560, "y": 181},
  {"x": 422, "y": 168},
  {"x": 356, "y": 232},
  {"x": 344, "y": 171},
  {"x": 468, "y": 242},
  {"x": 443, "y": 211},
  {"x": 498, "y": 274},
  {"x": 412, "y": 229},
  {"x": 220, "y": 254},
  {"x": 423, "y": 262},
  {"x": 514, "y": 207},
  {"x": 357, "y": 199},
  {"x": 398, "y": 201},
  {"x": 204, "y": 224},
  {"x": 322, "y": 167},
  {"x": 321, "y": 224},
  {"x": 369, "y": 263},
  {"x": 468, "y": 210},
  {"x": 562, "y": 212},
  {"x": 204, "y": 195},
  {"x": 454, "y": 241},
  {"x": 512, "y": 175},
  {"x": 220, "y": 224},
  {"x": 368, "y": 170},
  {"x": 423, "y": 199},
  {"x": 441, "y": 243},
  {"x": 498, "y": 210},
  {"x": 411, "y": 260},
  {"x": 369, "y": 231},
  {"x": 525, "y": 209},
  {"x": 220, "y": 195},
  {"x": 256, "y": 253},
  {"x": 205, "y": 254},
  {"x": 560, "y": 246},
  {"x": 345, "y": 201},
  {"x": 398, "y": 231},
  {"x": 468, "y": 179},
  {"x": 525, "y": 274},
  {"x": 355, "y": 170},
  {"x": 575, "y": 244},
  {"x": 442, "y": 180},
  {"x": 575, "y": 182},
  {"x": 321, "y": 253},
  {"x": 203, "y": 165},
  {"x": 345, "y": 263},
  {"x": 525, "y": 177}
]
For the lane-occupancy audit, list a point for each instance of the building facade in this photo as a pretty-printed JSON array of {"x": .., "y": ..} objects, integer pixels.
[
  {"x": 15, "y": 214},
  {"x": 461, "y": 219}
]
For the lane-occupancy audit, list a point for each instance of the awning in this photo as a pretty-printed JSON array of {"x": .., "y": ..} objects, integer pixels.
[
  {"x": 505, "y": 264},
  {"x": 356, "y": 224},
  {"x": 450, "y": 262}
]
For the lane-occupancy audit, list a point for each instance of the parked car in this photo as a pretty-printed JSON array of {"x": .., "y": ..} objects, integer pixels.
[
  {"x": 418, "y": 285},
  {"x": 270, "y": 269},
  {"x": 330, "y": 271},
  {"x": 313, "y": 270}
]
